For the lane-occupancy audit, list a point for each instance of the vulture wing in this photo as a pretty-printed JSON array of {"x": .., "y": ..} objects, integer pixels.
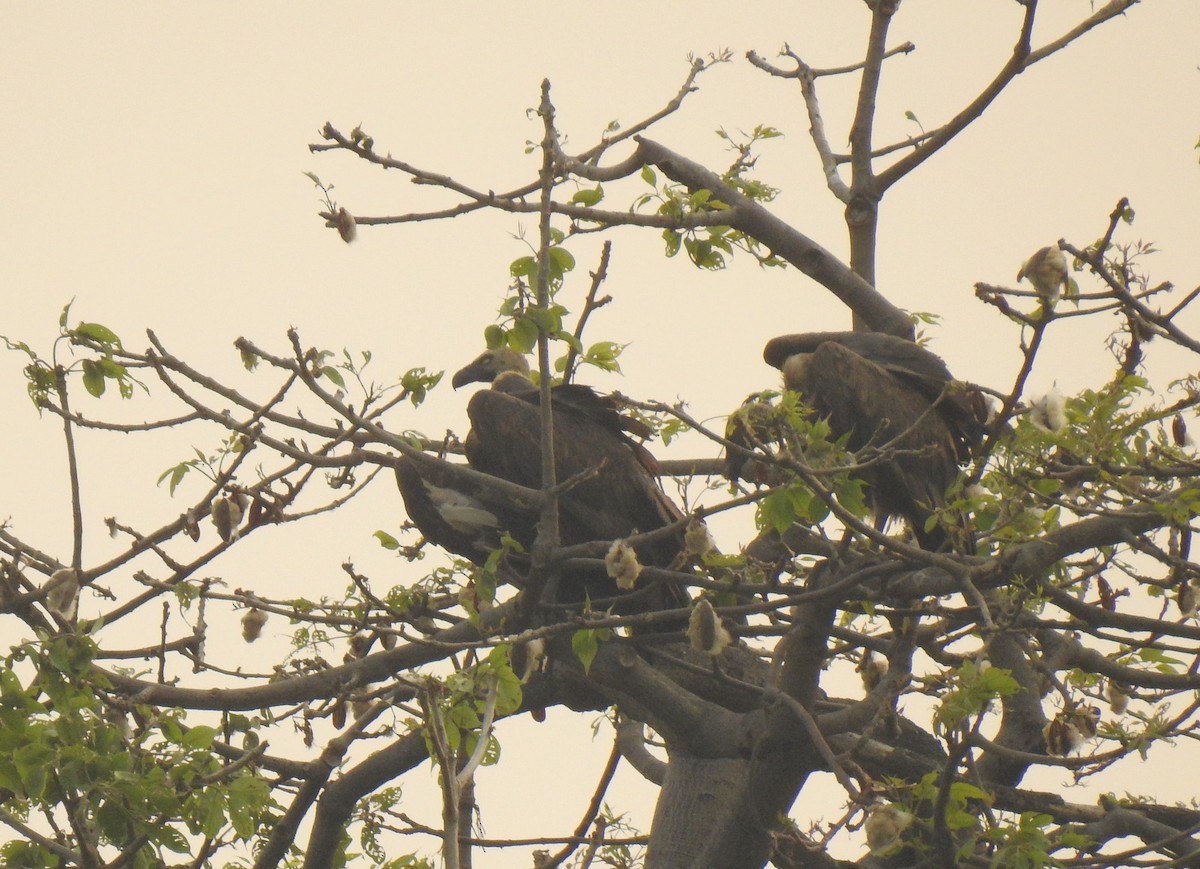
[
  {"x": 466, "y": 519},
  {"x": 616, "y": 497},
  {"x": 874, "y": 389},
  {"x": 961, "y": 406}
]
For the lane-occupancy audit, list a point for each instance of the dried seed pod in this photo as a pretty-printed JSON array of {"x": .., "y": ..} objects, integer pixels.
[
  {"x": 346, "y": 227},
  {"x": 1049, "y": 412},
  {"x": 872, "y": 669},
  {"x": 622, "y": 565},
  {"x": 705, "y": 631},
  {"x": 227, "y": 516},
  {"x": 696, "y": 539},
  {"x": 526, "y": 658},
  {"x": 1061, "y": 735},
  {"x": 1179, "y": 432},
  {"x": 1047, "y": 271},
  {"x": 884, "y": 826},
  {"x": 1185, "y": 597},
  {"x": 358, "y": 646},
  {"x": 1118, "y": 698},
  {"x": 1086, "y": 720},
  {"x": 252, "y": 624},
  {"x": 62, "y": 593}
]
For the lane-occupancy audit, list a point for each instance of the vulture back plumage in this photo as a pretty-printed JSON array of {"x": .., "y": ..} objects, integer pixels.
[
  {"x": 874, "y": 389},
  {"x": 614, "y": 493}
]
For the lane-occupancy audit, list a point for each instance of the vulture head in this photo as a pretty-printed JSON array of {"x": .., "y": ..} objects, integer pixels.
[
  {"x": 499, "y": 366},
  {"x": 614, "y": 491},
  {"x": 878, "y": 390}
]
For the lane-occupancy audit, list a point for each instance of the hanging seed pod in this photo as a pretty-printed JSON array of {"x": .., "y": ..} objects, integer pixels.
[
  {"x": 705, "y": 631},
  {"x": 252, "y": 624},
  {"x": 622, "y": 565}
]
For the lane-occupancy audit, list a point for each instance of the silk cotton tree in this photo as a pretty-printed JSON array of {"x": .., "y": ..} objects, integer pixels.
[{"x": 935, "y": 687}]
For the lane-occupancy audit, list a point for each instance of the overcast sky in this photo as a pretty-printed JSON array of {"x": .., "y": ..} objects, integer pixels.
[{"x": 152, "y": 158}]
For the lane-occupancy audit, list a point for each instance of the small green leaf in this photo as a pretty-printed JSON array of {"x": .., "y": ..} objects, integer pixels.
[
  {"x": 93, "y": 378},
  {"x": 523, "y": 267},
  {"x": 200, "y": 736},
  {"x": 176, "y": 474},
  {"x": 648, "y": 176},
  {"x": 493, "y": 337},
  {"x": 333, "y": 374},
  {"x": 98, "y": 333},
  {"x": 387, "y": 541},
  {"x": 562, "y": 258},
  {"x": 588, "y": 197},
  {"x": 523, "y": 336},
  {"x": 249, "y": 360},
  {"x": 585, "y": 644}
]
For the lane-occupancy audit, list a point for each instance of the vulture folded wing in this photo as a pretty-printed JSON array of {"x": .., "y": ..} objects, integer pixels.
[
  {"x": 866, "y": 403},
  {"x": 960, "y": 405},
  {"x": 465, "y": 518},
  {"x": 614, "y": 495}
]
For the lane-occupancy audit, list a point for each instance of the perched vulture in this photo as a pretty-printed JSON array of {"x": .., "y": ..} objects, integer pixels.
[
  {"x": 874, "y": 388},
  {"x": 616, "y": 493}
]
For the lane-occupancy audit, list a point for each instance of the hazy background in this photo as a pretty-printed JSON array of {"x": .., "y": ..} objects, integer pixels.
[{"x": 151, "y": 167}]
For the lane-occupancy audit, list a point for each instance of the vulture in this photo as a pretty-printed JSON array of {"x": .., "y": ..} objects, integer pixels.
[
  {"x": 616, "y": 493},
  {"x": 874, "y": 388}
]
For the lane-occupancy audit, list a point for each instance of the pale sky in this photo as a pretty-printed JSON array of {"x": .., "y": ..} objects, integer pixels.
[{"x": 152, "y": 163}]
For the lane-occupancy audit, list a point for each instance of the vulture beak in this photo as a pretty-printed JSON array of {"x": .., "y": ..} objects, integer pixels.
[{"x": 479, "y": 371}]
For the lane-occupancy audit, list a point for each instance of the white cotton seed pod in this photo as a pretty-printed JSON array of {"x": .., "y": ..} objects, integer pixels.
[
  {"x": 252, "y": 624},
  {"x": 526, "y": 658},
  {"x": 622, "y": 565},
  {"x": 705, "y": 631},
  {"x": 872, "y": 669},
  {"x": 1062, "y": 736},
  {"x": 1047, "y": 271},
  {"x": 696, "y": 539},
  {"x": 62, "y": 593},
  {"x": 227, "y": 516},
  {"x": 1087, "y": 721},
  {"x": 884, "y": 826},
  {"x": 346, "y": 226},
  {"x": 1049, "y": 412}
]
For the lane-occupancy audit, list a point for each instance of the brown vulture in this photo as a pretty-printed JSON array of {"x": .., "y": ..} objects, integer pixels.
[
  {"x": 617, "y": 493},
  {"x": 875, "y": 388}
]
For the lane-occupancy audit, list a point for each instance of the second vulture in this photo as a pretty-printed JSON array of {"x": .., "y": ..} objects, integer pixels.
[
  {"x": 883, "y": 391},
  {"x": 615, "y": 492}
]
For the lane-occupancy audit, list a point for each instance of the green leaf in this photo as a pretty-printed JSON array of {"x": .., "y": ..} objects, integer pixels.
[
  {"x": 93, "y": 378},
  {"x": 562, "y": 258},
  {"x": 98, "y": 333},
  {"x": 673, "y": 240},
  {"x": 493, "y": 337},
  {"x": 387, "y": 541},
  {"x": 523, "y": 336},
  {"x": 333, "y": 374},
  {"x": 776, "y": 511},
  {"x": 648, "y": 176},
  {"x": 585, "y": 644},
  {"x": 588, "y": 197},
  {"x": 176, "y": 474},
  {"x": 548, "y": 321},
  {"x": 249, "y": 360},
  {"x": 200, "y": 736},
  {"x": 523, "y": 267}
]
